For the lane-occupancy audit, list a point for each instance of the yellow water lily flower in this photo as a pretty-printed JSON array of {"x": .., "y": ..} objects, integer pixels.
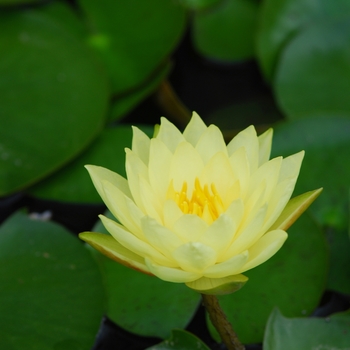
[{"x": 197, "y": 211}]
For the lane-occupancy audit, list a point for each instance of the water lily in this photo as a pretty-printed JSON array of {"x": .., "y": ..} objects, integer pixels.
[{"x": 197, "y": 211}]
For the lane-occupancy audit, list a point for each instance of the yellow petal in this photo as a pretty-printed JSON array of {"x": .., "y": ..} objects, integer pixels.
[
  {"x": 269, "y": 174},
  {"x": 108, "y": 246},
  {"x": 194, "y": 129},
  {"x": 265, "y": 143},
  {"x": 190, "y": 227},
  {"x": 123, "y": 208},
  {"x": 267, "y": 246},
  {"x": 169, "y": 134},
  {"x": 171, "y": 274},
  {"x": 219, "y": 234},
  {"x": 228, "y": 267},
  {"x": 241, "y": 169},
  {"x": 98, "y": 174},
  {"x": 290, "y": 166},
  {"x": 135, "y": 168},
  {"x": 249, "y": 140},
  {"x": 247, "y": 236},
  {"x": 194, "y": 256},
  {"x": 140, "y": 144},
  {"x": 210, "y": 143},
  {"x": 159, "y": 167},
  {"x": 186, "y": 165},
  {"x": 218, "y": 171},
  {"x": 295, "y": 207},
  {"x": 171, "y": 213},
  {"x": 160, "y": 237},
  {"x": 132, "y": 243},
  {"x": 218, "y": 286},
  {"x": 150, "y": 200}
]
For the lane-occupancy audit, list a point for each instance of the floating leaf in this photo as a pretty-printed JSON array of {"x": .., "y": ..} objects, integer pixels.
[
  {"x": 180, "y": 340},
  {"x": 133, "y": 37},
  {"x": 313, "y": 73},
  {"x": 51, "y": 292},
  {"x": 53, "y": 98},
  {"x": 281, "y": 20},
  {"x": 227, "y": 31},
  {"x": 72, "y": 183},
  {"x": 284, "y": 333}
]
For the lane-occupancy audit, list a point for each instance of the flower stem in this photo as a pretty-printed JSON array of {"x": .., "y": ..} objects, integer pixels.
[{"x": 220, "y": 322}]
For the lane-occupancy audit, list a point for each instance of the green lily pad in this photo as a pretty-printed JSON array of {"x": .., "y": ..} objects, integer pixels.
[
  {"x": 313, "y": 73},
  {"x": 199, "y": 4},
  {"x": 293, "y": 280},
  {"x": 124, "y": 103},
  {"x": 281, "y": 20},
  {"x": 72, "y": 183},
  {"x": 141, "y": 303},
  {"x": 226, "y": 32},
  {"x": 326, "y": 142},
  {"x": 284, "y": 333},
  {"x": 52, "y": 296},
  {"x": 53, "y": 98},
  {"x": 180, "y": 340},
  {"x": 133, "y": 37}
]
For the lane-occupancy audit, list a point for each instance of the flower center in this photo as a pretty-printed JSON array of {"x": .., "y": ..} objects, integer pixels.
[{"x": 205, "y": 201}]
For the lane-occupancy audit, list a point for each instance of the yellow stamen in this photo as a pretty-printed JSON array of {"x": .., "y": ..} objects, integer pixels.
[{"x": 205, "y": 200}]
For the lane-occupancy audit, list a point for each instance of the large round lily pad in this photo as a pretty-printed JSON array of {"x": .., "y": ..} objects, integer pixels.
[
  {"x": 53, "y": 97},
  {"x": 51, "y": 294},
  {"x": 226, "y": 31},
  {"x": 133, "y": 37},
  {"x": 313, "y": 73}
]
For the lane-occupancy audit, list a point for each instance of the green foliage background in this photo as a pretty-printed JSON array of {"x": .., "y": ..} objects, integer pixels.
[{"x": 72, "y": 71}]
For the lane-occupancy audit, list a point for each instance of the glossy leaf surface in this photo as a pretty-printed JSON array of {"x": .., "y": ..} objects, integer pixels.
[
  {"x": 53, "y": 97},
  {"x": 51, "y": 294},
  {"x": 284, "y": 333}
]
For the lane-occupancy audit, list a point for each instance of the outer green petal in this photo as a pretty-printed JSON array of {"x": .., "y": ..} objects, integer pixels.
[
  {"x": 98, "y": 174},
  {"x": 295, "y": 207},
  {"x": 132, "y": 243},
  {"x": 228, "y": 267},
  {"x": 210, "y": 143},
  {"x": 265, "y": 143},
  {"x": 171, "y": 274},
  {"x": 267, "y": 246},
  {"x": 140, "y": 144},
  {"x": 247, "y": 139},
  {"x": 194, "y": 256},
  {"x": 218, "y": 286},
  {"x": 190, "y": 227},
  {"x": 194, "y": 129},
  {"x": 108, "y": 246},
  {"x": 169, "y": 134}
]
